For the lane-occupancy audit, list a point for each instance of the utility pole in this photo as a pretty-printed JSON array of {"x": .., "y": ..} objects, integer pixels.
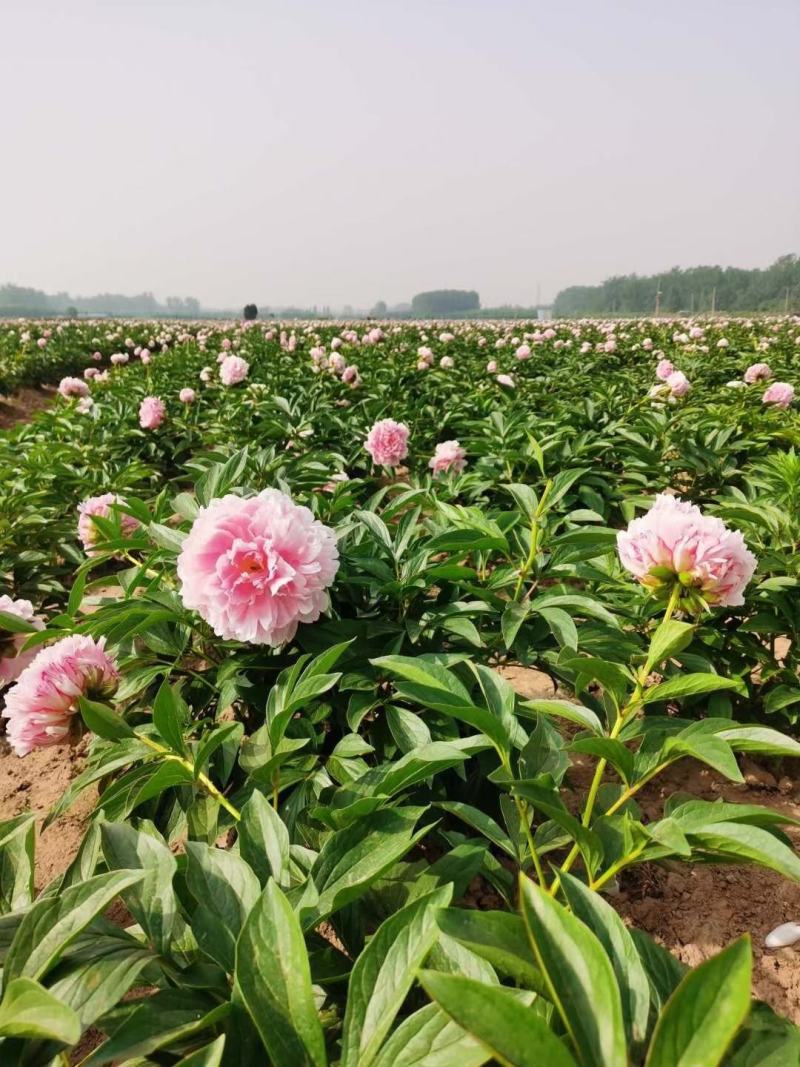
[
  {"x": 658, "y": 298},
  {"x": 786, "y": 302},
  {"x": 714, "y": 300}
]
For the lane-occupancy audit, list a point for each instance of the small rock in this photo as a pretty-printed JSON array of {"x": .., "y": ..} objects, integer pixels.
[
  {"x": 785, "y": 785},
  {"x": 783, "y": 935}
]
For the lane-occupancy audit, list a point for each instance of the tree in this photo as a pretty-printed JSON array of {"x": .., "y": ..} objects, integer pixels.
[
  {"x": 250, "y": 312},
  {"x": 71, "y": 312},
  {"x": 440, "y": 302},
  {"x": 379, "y": 311}
]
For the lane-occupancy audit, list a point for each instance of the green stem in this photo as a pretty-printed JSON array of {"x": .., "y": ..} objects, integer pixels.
[
  {"x": 530, "y": 562},
  {"x": 623, "y": 717},
  {"x": 203, "y": 779}
]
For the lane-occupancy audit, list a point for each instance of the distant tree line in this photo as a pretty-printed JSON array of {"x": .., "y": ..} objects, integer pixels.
[
  {"x": 444, "y": 302},
  {"x": 694, "y": 290},
  {"x": 23, "y": 300}
]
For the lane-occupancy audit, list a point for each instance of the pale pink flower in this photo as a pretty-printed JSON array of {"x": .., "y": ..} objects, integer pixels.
[
  {"x": 42, "y": 342},
  {"x": 758, "y": 372},
  {"x": 205, "y": 374},
  {"x": 90, "y": 372},
  {"x": 449, "y": 455},
  {"x": 387, "y": 442},
  {"x": 254, "y": 568},
  {"x": 679, "y": 384},
  {"x": 351, "y": 377},
  {"x": 523, "y": 352},
  {"x": 12, "y": 661},
  {"x": 119, "y": 358},
  {"x": 187, "y": 395},
  {"x": 84, "y": 405},
  {"x": 42, "y": 708},
  {"x": 664, "y": 369},
  {"x": 507, "y": 380},
  {"x": 233, "y": 370},
  {"x": 73, "y": 387},
  {"x": 336, "y": 362},
  {"x": 446, "y": 362},
  {"x": 225, "y": 344},
  {"x": 723, "y": 342},
  {"x": 491, "y": 366},
  {"x": 779, "y": 394},
  {"x": 152, "y": 412},
  {"x": 101, "y": 506},
  {"x": 677, "y": 541}
]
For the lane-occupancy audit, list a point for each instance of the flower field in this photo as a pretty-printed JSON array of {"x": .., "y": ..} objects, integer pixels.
[{"x": 275, "y": 579}]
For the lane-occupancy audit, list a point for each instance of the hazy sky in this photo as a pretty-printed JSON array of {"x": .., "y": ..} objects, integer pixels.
[{"x": 332, "y": 151}]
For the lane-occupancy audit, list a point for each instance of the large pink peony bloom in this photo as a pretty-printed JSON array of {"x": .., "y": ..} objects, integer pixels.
[
  {"x": 233, "y": 370},
  {"x": 779, "y": 394},
  {"x": 758, "y": 372},
  {"x": 101, "y": 506},
  {"x": 387, "y": 442},
  {"x": 73, "y": 387},
  {"x": 676, "y": 539},
  {"x": 12, "y": 661},
  {"x": 449, "y": 455},
  {"x": 152, "y": 412},
  {"x": 255, "y": 568},
  {"x": 664, "y": 369},
  {"x": 42, "y": 707}
]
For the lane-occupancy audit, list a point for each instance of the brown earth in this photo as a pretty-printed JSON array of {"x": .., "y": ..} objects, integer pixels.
[
  {"x": 692, "y": 910},
  {"x": 23, "y": 405}
]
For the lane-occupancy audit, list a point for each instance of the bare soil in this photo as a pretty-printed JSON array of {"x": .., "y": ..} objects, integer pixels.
[
  {"x": 23, "y": 405},
  {"x": 692, "y": 910}
]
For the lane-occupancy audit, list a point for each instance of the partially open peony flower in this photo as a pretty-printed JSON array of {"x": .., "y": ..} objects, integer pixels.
[
  {"x": 779, "y": 394},
  {"x": 664, "y": 369},
  {"x": 449, "y": 455},
  {"x": 676, "y": 542},
  {"x": 387, "y": 442},
  {"x": 42, "y": 708},
  {"x": 758, "y": 372},
  {"x": 73, "y": 387},
  {"x": 255, "y": 568},
  {"x": 506, "y": 380},
  {"x": 679, "y": 384},
  {"x": 12, "y": 661},
  {"x": 152, "y": 412},
  {"x": 233, "y": 370},
  {"x": 187, "y": 395},
  {"x": 101, "y": 506}
]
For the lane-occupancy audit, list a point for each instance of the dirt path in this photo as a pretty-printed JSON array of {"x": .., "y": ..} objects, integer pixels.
[{"x": 23, "y": 405}]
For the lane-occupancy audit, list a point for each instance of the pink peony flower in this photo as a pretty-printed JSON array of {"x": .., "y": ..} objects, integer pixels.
[
  {"x": 42, "y": 708},
  {"x": 664, "y": 369},
  {"x": 187, "y": 396},
  {"x": 205, "y": 374},
  {"x": 73, "y": 387},
  {"x": 42, "y": 342},
  {"x": 84, "y": 405},
  {"x": 233, "y": 370},
  {"x": 449, "y": 455},
  {"x": 101, "y": 506},
  {"x": 507, "y": 380},
  {"x": 779, "y": 394},
  {"x": 758, "y": 372},
  {"x": 446, "y": 362},
  {"x": 723, "y": 342},
  {"x": 523, "y": 352},
  {"x": 351, "y": 377},
  {"x": 679, "y": 384},
  {"x": 255, "y": 568},
  {"x": 491, "y": 366},
  {"x": 12, "y": 661},
  {"x": 119, "y": 358},
  {"x": 152, "y": 412},
  {"x": 675, "y": 541},
  {"x": 90, "y": 372},
  {"x": 387, "y": 442}
]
